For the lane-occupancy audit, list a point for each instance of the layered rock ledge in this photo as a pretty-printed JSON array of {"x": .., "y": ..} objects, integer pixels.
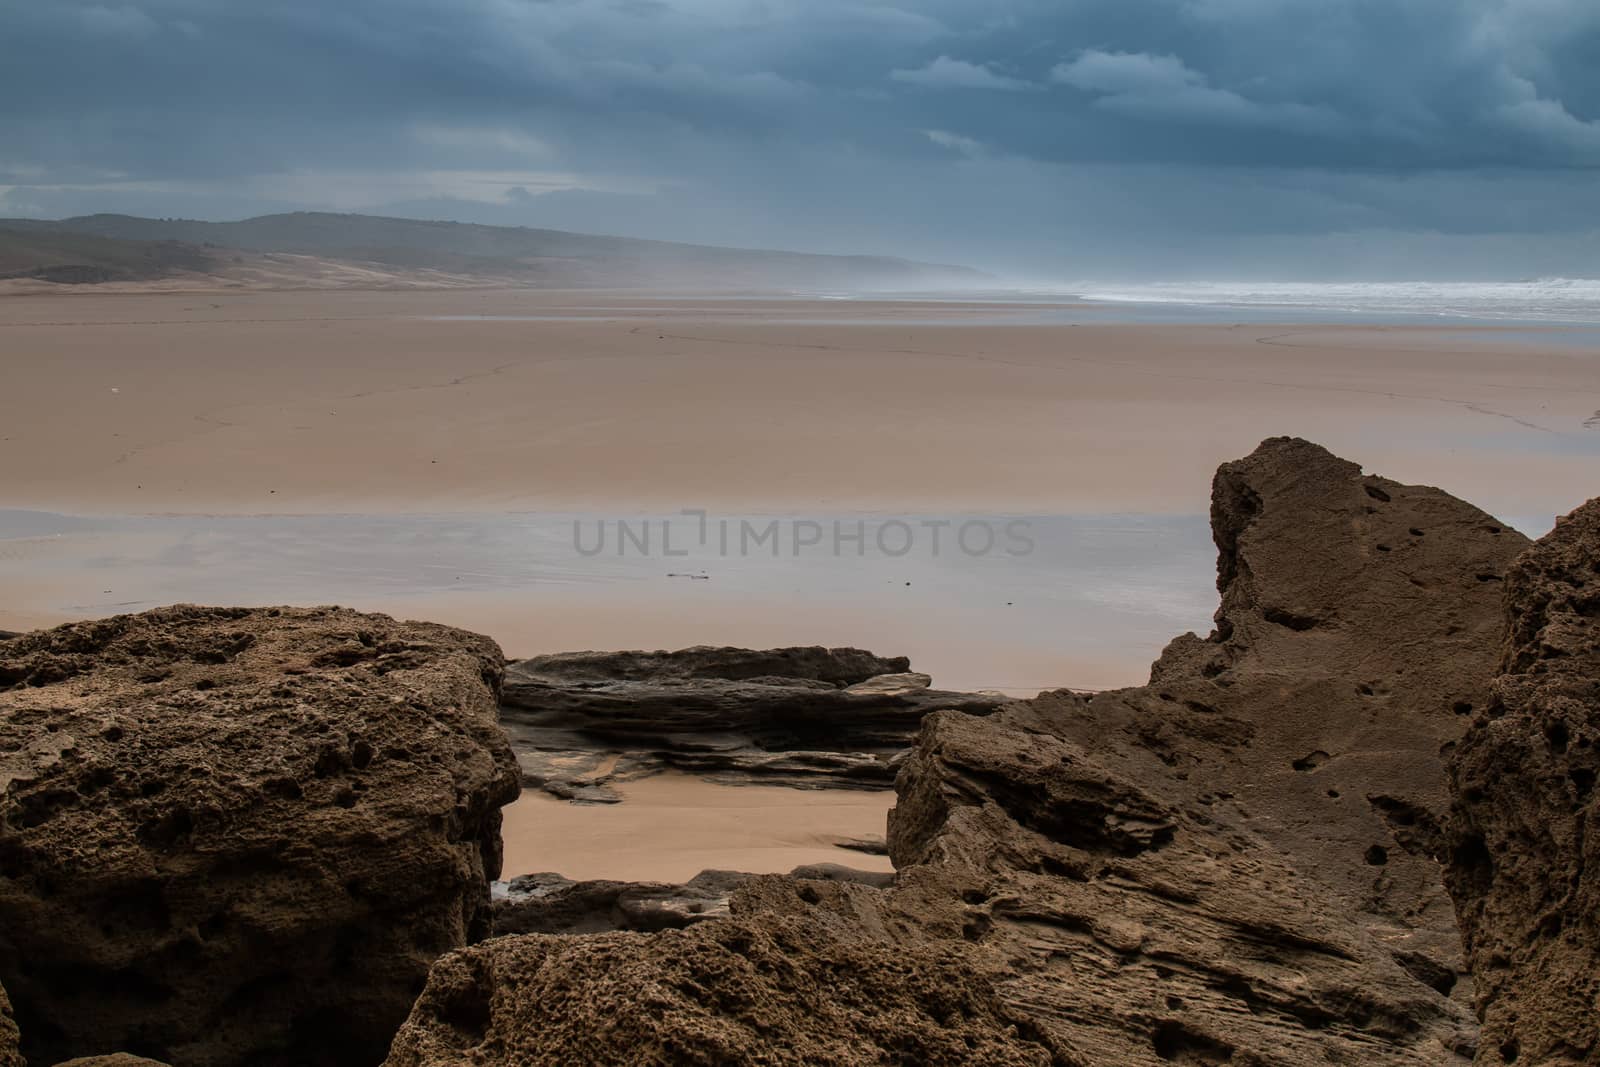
[
  {"x": 235, "y": 836},
  {"x": 1524, "y": 869},
  {"x": 803, "y": 717}
]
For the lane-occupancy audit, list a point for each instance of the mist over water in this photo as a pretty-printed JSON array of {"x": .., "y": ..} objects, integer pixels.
[{"x": 1555, "y": 300}]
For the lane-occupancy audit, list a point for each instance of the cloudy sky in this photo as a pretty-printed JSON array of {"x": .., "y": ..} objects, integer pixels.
[{"x": 1045, "y": 138}]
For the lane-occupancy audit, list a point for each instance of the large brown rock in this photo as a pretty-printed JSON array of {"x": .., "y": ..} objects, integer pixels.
[
  {"x": 241, "y": 836},
  {"x": 1236, "y": 862},
  {"x": 1358, "y": 630},
  {"x": 802, "y": 987},
  {"x": 1524, "y": 867}
]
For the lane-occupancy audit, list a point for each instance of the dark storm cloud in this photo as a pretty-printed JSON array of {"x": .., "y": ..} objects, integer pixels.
[{"x": 1193, "y": 117}]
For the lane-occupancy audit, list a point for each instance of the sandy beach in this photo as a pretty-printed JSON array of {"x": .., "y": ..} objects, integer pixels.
[
  {"x": 449, "y": 401},
  {"x": 419, "y": 454},
  {"x": 671, "y": 827}
]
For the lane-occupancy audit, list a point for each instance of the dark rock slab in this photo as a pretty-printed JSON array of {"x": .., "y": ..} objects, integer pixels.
[
  {"x": 1523, "y": 866},
  {"x": 872, "y": 846},
  {"x": 803, "y": 717},
  {"x": 552, "y": 904},
  {"x": 235, "y": 836}
]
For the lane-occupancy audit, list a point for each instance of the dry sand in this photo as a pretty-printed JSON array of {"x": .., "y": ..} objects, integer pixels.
[
  {"x": 671, "y": 827},
  {"x": 293, "y": 402}
]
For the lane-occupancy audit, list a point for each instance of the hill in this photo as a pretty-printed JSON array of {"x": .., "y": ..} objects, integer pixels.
[
  {"x": 497, "y": 254},
  {"x": 84, "y": 258}
]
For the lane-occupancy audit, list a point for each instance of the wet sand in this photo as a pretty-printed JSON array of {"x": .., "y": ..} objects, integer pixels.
[
  {"x": 1089, "y": 607},
  {"x": 671, "y": 827}
]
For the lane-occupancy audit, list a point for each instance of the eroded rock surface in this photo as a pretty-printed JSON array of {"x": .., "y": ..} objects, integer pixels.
[
  {"x": 799, "y": 987},
  {"x": 1358, "y": 630},
  {"x": 1237, "y": 862},
  {"x": 10, "y": 1040},
  {"x": 1524, "y": 869},
  {"x": 237, "y": 836},
  {"x": 807, "y": 717},
  {"x": 1232, "y": 865}
]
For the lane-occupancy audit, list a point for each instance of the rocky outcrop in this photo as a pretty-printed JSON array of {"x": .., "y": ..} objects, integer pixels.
[
  {"x": 237, "y": 836},
  {"x": 10, "y": 1040},
  {"x": 808, "y": 985},
  {"x": 1357, "y": 632},
  {"x": 1524, "y": 869},
  {"x": 1234, "y": 864},
  {"x": 551, "y": 904},
  {"x": 807, "y": 717},
  {"x": 1144, "y": 929}
]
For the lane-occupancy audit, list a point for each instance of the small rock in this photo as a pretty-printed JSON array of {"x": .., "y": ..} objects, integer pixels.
[{"x": 891, "y": 685}]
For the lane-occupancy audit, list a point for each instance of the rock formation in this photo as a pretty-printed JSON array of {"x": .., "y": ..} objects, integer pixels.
[
  {"x": 551, "y": 904},
  {"x": 808, "y": 717},
  {"x": 1233, "y": 864},
  {"x": 1358, "y": 630},
  {"x": 812, "y": 986},
  {"x": 237, "y": 836},
  {"x": 1237, "y": 860},
  {"x": 10, "y": 1040},
  {"x": 1524, "y": 869}
]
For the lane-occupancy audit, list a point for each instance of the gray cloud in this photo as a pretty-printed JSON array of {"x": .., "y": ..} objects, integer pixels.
[
  {"x": 942, "y": 72},
  {"x": 1024, "y": 131}
]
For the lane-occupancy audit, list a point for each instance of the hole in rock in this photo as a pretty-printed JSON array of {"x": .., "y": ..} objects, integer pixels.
[
  {"x": 1377, "y": 855},
  {"x": 1176, "y": 1042},
  {"x": 1311, "y": 761},
  {"x": 1290, "y": 619}
]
